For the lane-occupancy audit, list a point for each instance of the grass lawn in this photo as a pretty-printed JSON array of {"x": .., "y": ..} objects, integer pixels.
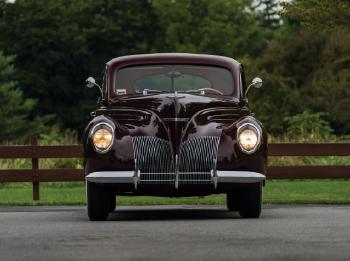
[{"x": 275, "y": 191}]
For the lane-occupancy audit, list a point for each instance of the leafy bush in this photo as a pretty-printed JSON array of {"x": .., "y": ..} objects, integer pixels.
[
  {"x": 56, "y": 136},
  {"x": 309, "y": 127}
]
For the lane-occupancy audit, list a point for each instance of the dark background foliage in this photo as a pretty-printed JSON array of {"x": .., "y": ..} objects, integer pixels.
[{"x": 49, "y": 47}]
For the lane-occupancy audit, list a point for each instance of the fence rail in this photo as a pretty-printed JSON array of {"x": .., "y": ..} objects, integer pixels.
[
  {"x": 309, "y": 172},
  {"x": 36, "y": 152}
]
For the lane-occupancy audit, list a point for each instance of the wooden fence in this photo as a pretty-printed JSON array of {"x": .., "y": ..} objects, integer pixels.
[{"x": 36, "y": 152}]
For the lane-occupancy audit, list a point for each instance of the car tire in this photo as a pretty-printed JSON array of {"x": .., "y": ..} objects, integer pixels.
[
  {"x": 250, "y": 201},
  {"x": 98, "y": 202},
  {"x": 112, "y": 202},
  {"x": 232, "y": 201}
]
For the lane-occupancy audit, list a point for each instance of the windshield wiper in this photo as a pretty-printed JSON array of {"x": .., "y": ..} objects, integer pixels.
[
  {"x": 202, "y": 91},
  {"x": 146, "y": 91}
]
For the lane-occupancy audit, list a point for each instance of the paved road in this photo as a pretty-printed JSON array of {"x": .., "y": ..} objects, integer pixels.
[{"x": 176, "y": 232}]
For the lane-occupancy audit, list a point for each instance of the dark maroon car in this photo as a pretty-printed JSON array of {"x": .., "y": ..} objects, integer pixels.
[{"x": 174, "y": 125}]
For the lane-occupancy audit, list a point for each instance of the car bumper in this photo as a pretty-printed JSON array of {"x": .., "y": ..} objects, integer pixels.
[{"x": 128, "y": 177}]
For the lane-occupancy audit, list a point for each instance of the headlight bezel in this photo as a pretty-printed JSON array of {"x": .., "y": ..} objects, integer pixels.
[
  {"x": 102, "y": 125},
  {"x": 256, "y": 129}
]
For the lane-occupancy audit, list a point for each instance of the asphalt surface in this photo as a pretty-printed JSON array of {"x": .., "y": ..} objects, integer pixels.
[{"x": 306, "y": 232}]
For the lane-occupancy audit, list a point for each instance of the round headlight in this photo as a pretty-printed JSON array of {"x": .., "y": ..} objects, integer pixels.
[
  {"x": 102, "y": 137},
  {"x": 248, "y": 137}
]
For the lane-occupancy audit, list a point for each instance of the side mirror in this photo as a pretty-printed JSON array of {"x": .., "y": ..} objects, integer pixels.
[
  {"x": 256, "y": 83},
  {"x": 91, "y": 82}
]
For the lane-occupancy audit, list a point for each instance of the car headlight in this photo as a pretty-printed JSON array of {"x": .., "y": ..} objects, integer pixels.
[
  {"x": 102, "y": 137},
  {"x": 248, "y": 136}
]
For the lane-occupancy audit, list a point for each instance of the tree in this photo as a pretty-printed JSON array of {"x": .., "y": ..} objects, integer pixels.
[
  {"x": 58, "y": 43},
  {"x": 15, "y": 110},
  {"x": 321, "y": 15},
  {"x": 328, "y": 87},
  {"x": 222, "y": 27},
  {"x": 285, "y": 67},
  {"x": 305, "y": 68},
  {"x": 270, "y": 12}
]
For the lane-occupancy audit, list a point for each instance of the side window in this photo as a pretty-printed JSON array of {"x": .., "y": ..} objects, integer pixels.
[
  {"x": 104, "y": 80},
  {"x": 242, "y": 83}
]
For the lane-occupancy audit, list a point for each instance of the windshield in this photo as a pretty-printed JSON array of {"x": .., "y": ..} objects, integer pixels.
[{"x": 152, "y": 79}]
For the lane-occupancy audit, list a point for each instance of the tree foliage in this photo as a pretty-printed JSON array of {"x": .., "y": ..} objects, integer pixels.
[
  {"x": 15, "y": 110},
  {"x": 270, "y": 12},
  {"x": 302, "y": 54},
  {"x": 223, "y": 27},
  {"x": 308, "y": 126},
  {"x": 321, "y": 15},
  {"x": 58, "y": 43},
  {"x": 314, "y": 65}
]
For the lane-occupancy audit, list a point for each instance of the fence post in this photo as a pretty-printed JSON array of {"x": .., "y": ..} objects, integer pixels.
[{"x": 35, "y": 167}]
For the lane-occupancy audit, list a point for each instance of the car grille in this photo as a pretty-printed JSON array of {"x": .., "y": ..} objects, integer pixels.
[
  {"x": 156, "y": 163},
  {"x": 153, "y": 155}
]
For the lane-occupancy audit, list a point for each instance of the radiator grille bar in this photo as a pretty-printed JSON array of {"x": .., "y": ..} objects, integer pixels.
[
  {"x": 154, "y": 158},
  {"x": 198, "y": 154},
  {"x": 153, "y": 155}
]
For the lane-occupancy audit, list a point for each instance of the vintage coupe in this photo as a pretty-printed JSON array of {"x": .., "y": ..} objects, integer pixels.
[{"x": 174, "y": 125}]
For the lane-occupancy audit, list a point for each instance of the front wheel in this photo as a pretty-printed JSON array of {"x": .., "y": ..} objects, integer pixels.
[
  {"x": 98, "y": 202},
  {"x": 112, "y": 202},
  {"x": 250, "y": 201},
  {"x": 232, "y": 200}
]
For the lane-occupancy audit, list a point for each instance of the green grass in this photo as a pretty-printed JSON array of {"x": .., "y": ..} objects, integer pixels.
[{"x": 276, "y": 191}]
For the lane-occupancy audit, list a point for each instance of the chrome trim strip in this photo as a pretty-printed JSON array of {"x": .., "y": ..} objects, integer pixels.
[
  {"x": 129, "y": 177},
  {"x": 239, "y": 177},
  {"x": 176, "y": 119},
  {"x": 111, "y": 177},
  {"x": 125, "y": 110},
  {"x": 176, "y": 172}
]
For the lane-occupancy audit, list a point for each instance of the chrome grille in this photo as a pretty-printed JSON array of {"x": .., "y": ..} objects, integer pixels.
[
  {"x": 153, "y": 155},
  {"x": 157, "y": 178},
  {"x": 198, "y": 154},
  {"x": 197, "y": 158},
  {"x": 154, "y": 158}
]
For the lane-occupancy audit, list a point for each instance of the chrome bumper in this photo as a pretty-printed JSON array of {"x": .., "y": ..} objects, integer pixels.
[{"x": 131, "y": 177}]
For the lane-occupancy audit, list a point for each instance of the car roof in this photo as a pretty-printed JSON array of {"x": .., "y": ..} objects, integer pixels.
[{"x": 173, "y": 58}]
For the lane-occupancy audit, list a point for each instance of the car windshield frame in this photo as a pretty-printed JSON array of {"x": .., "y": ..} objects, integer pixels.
[{"x": 215, "y": 77}]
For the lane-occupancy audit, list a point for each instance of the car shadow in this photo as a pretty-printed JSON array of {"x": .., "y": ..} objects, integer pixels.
[{"x": 170, "y": 214}]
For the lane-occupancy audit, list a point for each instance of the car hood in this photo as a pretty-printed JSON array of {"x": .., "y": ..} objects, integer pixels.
[
  {"x": 174, "y": 105},
  {"x": 176, "y": 117}
]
